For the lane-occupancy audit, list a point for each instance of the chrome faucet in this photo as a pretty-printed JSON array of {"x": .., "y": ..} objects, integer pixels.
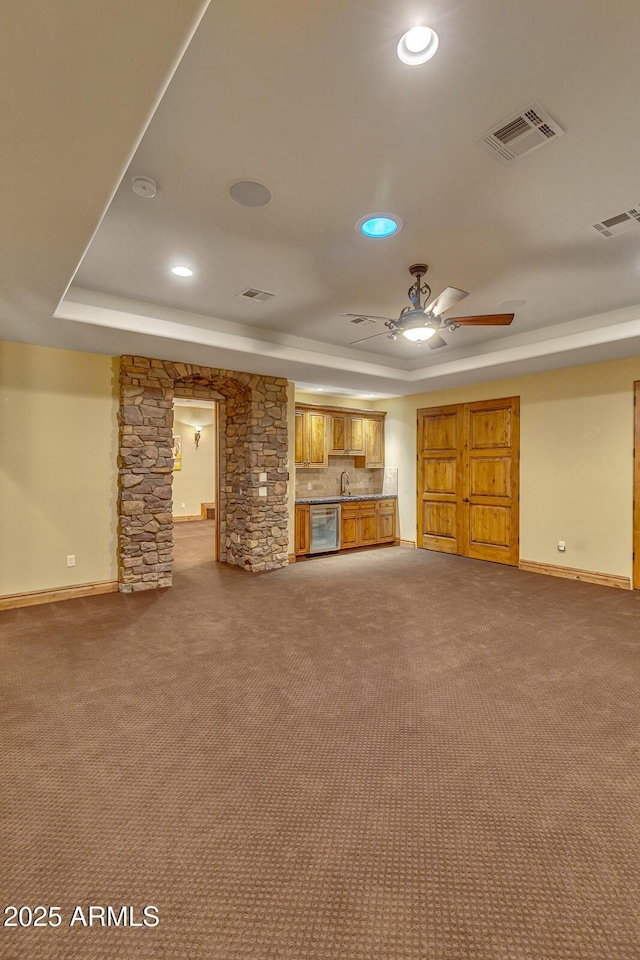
[{"x": 344, "y": 482}]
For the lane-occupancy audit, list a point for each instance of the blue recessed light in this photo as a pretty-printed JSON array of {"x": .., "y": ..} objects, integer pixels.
[{"x": 379, "y": 226}]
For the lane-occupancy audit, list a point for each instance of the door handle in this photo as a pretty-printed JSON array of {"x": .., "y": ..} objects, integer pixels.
[{"x": 465, "y": 499}]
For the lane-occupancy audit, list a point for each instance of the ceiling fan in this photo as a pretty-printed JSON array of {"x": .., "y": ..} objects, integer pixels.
[{"x": 423, "y": 320}]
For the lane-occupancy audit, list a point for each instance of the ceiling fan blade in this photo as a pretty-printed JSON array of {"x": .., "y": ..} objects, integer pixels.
[
  {"x": 436, "y": 341},
  {"x": 372, "y": 337},
  {"x": 447, "y": 299},
  {"x": 487, "y": 320},
  {"x": 365, "y": 316}
]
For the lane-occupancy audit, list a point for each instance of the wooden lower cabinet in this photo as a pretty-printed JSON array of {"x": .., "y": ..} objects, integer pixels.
[
  {"x": 364, "y": 523},
  {"x": 302, "y": 536},
  {"x": 386, "y": 521},
  {"x": 367, "y": 522}
]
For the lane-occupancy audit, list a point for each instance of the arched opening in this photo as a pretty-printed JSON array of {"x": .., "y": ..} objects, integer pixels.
[{"x": 252, "y": 467}]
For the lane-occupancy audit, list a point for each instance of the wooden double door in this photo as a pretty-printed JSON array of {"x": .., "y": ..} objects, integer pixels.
[{"x": 468, "y": 479}]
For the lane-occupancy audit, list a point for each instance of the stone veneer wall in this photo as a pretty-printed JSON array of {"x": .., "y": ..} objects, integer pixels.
[{"x": 253, "y": 440}]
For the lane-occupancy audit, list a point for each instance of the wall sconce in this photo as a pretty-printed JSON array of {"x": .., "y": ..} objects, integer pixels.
[{"x": 196, "y": 436}]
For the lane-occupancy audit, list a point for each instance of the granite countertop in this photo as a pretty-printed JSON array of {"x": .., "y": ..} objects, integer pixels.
[{"x": 357, "y": 496}]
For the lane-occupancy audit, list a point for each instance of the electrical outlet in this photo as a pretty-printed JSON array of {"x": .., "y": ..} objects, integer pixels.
[
  {"x": 71, "y": 560},
  {"x": 183, "y": 505},
  {"x": 308, "y": 486},
  {"x": 562, "y": 546}
]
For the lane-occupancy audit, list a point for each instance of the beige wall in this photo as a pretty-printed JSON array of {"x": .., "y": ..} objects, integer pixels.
[
  {"x": 194, "y": 484},
  {"x": 58, "y": 484},
  {"x": 58, "y": 481},
  {"x": 576, "y": 481}
]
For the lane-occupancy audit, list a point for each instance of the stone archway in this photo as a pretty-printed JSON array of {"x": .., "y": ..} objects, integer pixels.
[{"x": 253, "y": 470}]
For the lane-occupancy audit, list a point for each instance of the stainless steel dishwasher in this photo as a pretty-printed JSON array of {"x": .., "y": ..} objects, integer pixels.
[{"x": 324, "y": 527}]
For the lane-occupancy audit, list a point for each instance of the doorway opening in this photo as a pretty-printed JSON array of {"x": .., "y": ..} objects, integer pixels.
[{"x": 196, "y": 456}]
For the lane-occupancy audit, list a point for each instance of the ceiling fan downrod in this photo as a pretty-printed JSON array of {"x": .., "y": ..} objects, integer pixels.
[{"x": 419, "y": 289}]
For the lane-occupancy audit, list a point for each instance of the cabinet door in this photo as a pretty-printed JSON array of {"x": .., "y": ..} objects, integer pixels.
[
  {"x": 338, "y": 442},
  {"x": 316, "y": 439},
  {"x": 374, "y": 443},
  {"x": 349, "y": 531},
  {"x": 386, "y": 526},
  {"x": 302, "y": 544},
  {"x": 357, "y": 434},
  {"x": 299, "y": 439},
  {"x": 368, "y": 527}
]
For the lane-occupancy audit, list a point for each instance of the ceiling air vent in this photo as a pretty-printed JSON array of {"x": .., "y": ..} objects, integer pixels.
[
  {"x": 362, "y": 321},
  {"x": 621, "y": 223},
  {"x": 522, "y": 132},
  {"x": 258, "y": 296}
]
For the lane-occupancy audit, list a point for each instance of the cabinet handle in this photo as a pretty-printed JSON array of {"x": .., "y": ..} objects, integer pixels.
[{"x": 465, "y": 499}]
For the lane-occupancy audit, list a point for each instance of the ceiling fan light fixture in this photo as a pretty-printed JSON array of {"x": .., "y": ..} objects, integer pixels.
[
  {"x": 417, "y": 46},
  {"x": 418, "y": 334}
]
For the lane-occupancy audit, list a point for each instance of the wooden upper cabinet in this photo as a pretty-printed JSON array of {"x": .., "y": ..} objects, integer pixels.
[
  {"x": 338, "y": 442},
  {"x": 356, "y": 436},
  {"x": 374, "y": 443},
  {"x": 317, "y": 455},
  {"x": 299, "y": 439},
  {"x": 346, "y": 435},
  {"x": 311, "y": 438},
  {"x": 328, "y": 431}
]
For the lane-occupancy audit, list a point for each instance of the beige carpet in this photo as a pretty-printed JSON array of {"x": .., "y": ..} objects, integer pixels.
[{"x": 391, "y": 754}]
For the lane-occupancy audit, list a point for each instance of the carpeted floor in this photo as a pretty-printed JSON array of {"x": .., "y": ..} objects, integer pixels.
[{"x": 384, "y": 755}]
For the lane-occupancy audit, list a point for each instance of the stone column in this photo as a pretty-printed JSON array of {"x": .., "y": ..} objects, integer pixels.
[{"x": 145, "y": 466}]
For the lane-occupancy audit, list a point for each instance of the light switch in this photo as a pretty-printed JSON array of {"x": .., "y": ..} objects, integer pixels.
[
  {"x": 263, "y": 478},
  {"x": 262, "y": 491}
]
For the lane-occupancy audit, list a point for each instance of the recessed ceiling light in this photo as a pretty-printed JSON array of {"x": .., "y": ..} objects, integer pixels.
[
  {"x": 418, "y": 334},
  {"x": 320, "y": 389},
  {"x": 181, "y": 271},
  {"x": 417, "y": 46},
  {"x": 250, "y": 193},
  {"x": 379, "y": 225}
]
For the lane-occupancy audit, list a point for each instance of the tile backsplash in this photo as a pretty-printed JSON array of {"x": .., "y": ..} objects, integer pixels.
[{"x": 325, "y": 481}]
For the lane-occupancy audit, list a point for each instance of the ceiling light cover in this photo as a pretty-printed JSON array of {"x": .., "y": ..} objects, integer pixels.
[
  {"x": 418, "y": 334},
  {"x": 417, "y": 46},
  {"x": 379, "y": 225},
  {"x": 250, "y": 193},
  {"x": 181, "y": 271}
]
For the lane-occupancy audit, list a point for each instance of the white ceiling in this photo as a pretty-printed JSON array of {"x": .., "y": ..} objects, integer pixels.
[
  {"x": 311, "y": 100},
  {"x": 78, "y": 83}
]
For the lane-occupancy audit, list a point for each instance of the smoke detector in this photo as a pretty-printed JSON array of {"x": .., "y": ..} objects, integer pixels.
[
  {"x": 144, "y": 187},
  {"x": 520, "y": 133}
]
